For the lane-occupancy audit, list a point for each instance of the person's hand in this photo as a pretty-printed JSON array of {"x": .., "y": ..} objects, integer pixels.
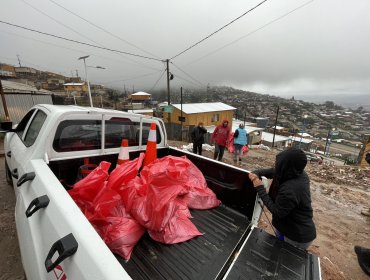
[{"x": 255, "y": 180}]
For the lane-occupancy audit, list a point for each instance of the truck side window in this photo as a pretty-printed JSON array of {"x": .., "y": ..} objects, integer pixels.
[
  {"x": 117, "y": 129},
  {"x": 23, "y": 123},
  {"x": 77, "y": 135},
  {"x": 34, "y": 128}
]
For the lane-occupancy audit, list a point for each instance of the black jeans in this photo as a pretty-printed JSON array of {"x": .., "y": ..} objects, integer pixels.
[
  {"x": 197, "y": 148},
  {"x": 219, "y": 152}
]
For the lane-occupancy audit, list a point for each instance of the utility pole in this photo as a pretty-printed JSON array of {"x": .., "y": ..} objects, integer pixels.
[
  {"x": 168, "y": 95},
  {"x": 273, "y": 138},
  {"x": 19, "y": 61},
  {"x": 4, "y": 102},
  {"x": 181, "y": 110},
  {"x": 76, "y": 73},
  {"x": 168, "y": 82}
]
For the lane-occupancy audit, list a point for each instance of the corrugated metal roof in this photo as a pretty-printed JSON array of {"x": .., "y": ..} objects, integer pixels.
[
  {"x": 140, "y": 111},
  {"x": 73, "y": 84},
  {"x": 268, "y": 137},
  {"x": 140, "y": 93},
  {"x": 14, "y": 87},
  {"x": 194, "y": 108}
]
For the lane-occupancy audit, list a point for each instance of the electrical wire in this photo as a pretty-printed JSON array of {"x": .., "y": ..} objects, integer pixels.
[
  {"x": 186, "y": 80},
  {"x": 78, "y": 51},
  {"x": 133, "y": 78},
  {"x": 160, "y": 77},
  {"x": 61, "y": 23},
  {"x": 101, "y": 28},
  {"x": 79, "y": 42},
  {"x": 75, "y": 31},
  {"x": 218, "y": 30},
  {"x": 252, "y": 32},
  {"x": 188, "y": 75}
]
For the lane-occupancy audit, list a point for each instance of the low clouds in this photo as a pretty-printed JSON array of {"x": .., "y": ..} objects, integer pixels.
[{"x": 319, "y": 48}]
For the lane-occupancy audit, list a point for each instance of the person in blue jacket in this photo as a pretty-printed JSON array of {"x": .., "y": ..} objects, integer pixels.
[{"x": 240, "y": 140}]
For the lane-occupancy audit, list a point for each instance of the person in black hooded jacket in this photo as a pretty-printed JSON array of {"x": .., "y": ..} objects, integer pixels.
[{"x": 289, "y": 198}]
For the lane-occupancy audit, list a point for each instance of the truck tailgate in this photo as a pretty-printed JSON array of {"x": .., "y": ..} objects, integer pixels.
[
  {"x": 266, "y": 257},
  {"x": 203, "y": 257}
]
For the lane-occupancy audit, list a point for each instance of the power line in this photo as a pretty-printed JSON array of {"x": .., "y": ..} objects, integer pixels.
[
  {"x": 78, "y": 42},
  {"x": 251, "y": 33},
  {"x": 75, "y": 31},
  {"x": 160, "y": 77},
  {"x": 133, "y": 78},
  {"x": 101, "y": 28},
  {"x": 188, "y": 74},
  {"x": 186, "y": 80},
  {"x": 78, "y": 51},
  {"x": 61, "y": 23},
  {"x": 218, "y": 30}
]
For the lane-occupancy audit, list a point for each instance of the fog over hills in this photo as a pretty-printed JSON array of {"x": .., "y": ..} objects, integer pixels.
[{"x": 346, "y": 100}]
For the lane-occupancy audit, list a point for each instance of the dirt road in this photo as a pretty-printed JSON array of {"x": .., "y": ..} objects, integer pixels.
[{"x": 10, "y": 259}]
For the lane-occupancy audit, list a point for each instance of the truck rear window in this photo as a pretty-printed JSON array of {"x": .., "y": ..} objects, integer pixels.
[
  {"x": 78, "y": 135},
  {"x": 120, "y": 128}
]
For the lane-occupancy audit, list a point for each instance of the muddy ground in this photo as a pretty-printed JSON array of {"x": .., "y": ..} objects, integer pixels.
[{"x": 338, "y": 195}]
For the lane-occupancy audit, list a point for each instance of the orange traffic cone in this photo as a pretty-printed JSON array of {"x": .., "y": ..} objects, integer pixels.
[
  {"x": 123, "y": 153},
  {"x": 151, "y": 146}
]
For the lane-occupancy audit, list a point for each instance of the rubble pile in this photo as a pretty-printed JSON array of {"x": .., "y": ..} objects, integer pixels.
[{"x": 340, "y": 175}]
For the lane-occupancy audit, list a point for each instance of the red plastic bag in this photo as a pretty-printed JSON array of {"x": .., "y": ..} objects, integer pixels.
[
  {"x": 200, "y": 196},
  {"x": 85, "y": 190},
  {"x": 230, "y": 145},
  {"x": 155, "y": 209},
  {"x": 178, "y": 229},
  {"x": 121, "y": 234},
  {"x": 125, "y": 172},
  {"x": 114, "y": 224}
]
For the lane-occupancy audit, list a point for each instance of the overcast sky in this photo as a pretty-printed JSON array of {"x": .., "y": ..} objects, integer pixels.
[{"x": 288, "y": 47}]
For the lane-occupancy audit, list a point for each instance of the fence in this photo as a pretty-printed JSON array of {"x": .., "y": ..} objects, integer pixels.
[{"x": 19, "y": 104}]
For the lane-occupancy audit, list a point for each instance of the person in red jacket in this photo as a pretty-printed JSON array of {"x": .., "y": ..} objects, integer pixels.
[{"x": 220, "y": 136}]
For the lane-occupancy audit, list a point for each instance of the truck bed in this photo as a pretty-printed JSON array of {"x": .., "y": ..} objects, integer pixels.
[
  {"x": 230, "y": 247},
  {"x": 203, "y": 257}
]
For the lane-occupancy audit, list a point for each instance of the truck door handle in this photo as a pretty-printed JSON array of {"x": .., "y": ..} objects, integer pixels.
[
  {"x": 14, "y": 173},
  {"x": 9, "y": 154},
  {"x": 65, "y": 247},
  {"x": 37, "y": 204},
  {"x": 25, "y": 177}
]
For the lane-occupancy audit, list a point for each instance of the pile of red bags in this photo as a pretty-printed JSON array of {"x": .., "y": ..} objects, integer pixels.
[{"x": 123, "y": 205}]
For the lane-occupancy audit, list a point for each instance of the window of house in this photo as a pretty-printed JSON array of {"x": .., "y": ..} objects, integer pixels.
[{"x": 215, "y": 117}]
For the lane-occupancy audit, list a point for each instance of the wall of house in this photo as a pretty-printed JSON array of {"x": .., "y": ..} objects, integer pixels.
[
  {"x": 208, "y": 118},
  {"x": 77, "y": 88}
]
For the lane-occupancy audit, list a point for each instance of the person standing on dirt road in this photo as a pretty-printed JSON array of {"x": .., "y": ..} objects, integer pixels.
[
  {"x": 220, "y": 136},
  {"x": 289, "y": 198},
  {"x": 240, "y": 140},
  {"x": 197, "y": 137}
]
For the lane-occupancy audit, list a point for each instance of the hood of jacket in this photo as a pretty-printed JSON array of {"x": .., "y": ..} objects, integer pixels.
[{"x": 290, "y": 164}]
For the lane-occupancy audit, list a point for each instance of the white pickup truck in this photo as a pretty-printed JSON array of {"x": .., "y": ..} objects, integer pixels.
[{"x": 57, "y": 241}]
